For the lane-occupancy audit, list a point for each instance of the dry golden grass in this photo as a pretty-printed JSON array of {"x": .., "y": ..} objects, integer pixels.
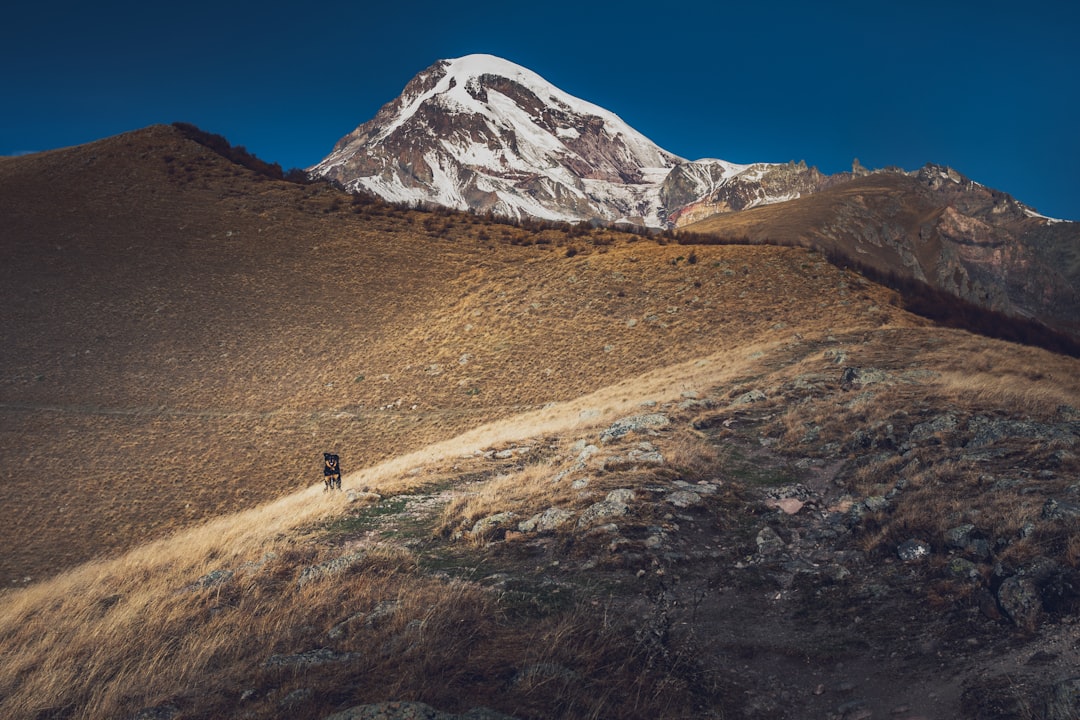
[
  {"x": 111, "y": 637},
  {"x": 260, "y": 324},
  {"x": 152, "y": 626}
]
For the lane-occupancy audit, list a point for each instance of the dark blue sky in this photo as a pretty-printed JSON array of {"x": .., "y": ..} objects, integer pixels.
[{"x": 989, "y": 88}]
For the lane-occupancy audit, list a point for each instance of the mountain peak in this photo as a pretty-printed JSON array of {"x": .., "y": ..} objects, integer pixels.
[
  {"x": 480, "y": 64},
  {"x": 482, "y": 133}
]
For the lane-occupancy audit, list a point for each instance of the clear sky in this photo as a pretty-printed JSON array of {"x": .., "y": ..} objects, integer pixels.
[{"x": 990, "y": 88}]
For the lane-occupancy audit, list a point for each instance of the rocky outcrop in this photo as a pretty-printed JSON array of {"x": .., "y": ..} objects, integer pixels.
[{"x": 761, "y": 184}]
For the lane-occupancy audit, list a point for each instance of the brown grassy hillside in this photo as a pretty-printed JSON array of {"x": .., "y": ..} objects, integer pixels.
[
  {"x": 588, "y": 474},
  {"x": 184, "y": 337}
]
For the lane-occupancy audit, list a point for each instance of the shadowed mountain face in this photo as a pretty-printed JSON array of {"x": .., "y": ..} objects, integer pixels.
[{"x": 935, "y": 226}]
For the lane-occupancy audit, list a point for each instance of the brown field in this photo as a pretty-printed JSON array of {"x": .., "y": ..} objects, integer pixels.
[{"x": 183, "y": 339}]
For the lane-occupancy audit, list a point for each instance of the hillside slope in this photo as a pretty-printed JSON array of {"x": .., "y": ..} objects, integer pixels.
[
  {"x": 853, "y": 525},
  {"x": 588, "y": 474},
  {"x": 185, "y": 337},
  {"x": 938, "y": 227}
]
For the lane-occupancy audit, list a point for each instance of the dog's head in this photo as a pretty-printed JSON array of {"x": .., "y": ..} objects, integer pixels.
[{"x": 330, "y": 459}]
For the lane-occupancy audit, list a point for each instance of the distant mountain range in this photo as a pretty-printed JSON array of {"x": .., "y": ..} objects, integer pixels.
[{"x": 483, "y": 134}]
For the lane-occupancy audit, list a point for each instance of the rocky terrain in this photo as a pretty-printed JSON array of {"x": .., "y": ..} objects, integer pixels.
[{"x": 749, "y": 567}]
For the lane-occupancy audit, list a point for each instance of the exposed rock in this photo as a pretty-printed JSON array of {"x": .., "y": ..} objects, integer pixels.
[
  {"x": 330, "y": 567},
  {"x": 319, "y": 656},
  {"x": 963, "y": 569},
  {"x": 752, "y": 396},
  {"x": 768, "y": 542},
  {"x": 683, "y": 498},
  {"x": 365, "y": 496},
  {"x": 861, "y": 376},
  {"x": 493, "y": 525},
  {"x": 622, "y": 495},
  {"x": 968, "y": 539},
  {"x": 616, "y": 504},
  {"x": 1019, "y": 599},
  {"x": 1055, "y": 509},
  {"x": 1040, "y": 587},
  {"x": 942, "y": 424},
  {"x": 913, "y": 549},
  {"x": 296, "y": 698},
  {"x": 872, "y": 504},
  {"x": 548, "y": 520},
  {"x": 644, "y": 453},
  {"x": 702, "y": 487},
  {"x": 586, "y": 452},
  {"x": 987, "y": 431},
  {"x": 788, "y": 505},
  {"x": 636, "y": 423},
  {"x": 959, "y": 536},
  {"x": 211, "y": 579}
]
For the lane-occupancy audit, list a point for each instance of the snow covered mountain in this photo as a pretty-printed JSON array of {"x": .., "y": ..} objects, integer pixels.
[{"x": 481, "y": 133}]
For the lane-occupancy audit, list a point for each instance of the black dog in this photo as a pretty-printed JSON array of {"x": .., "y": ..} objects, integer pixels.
[{"x": 331, "y": 472}]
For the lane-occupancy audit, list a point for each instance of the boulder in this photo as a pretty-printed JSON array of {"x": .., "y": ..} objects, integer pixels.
[
  {"x": 862, "y": 376},
  {"x": 940, "y": 425},
  {"x": 1055, "y": 509},
  {"x": 492, "y": 525},
  {"x": 635, "y": 423},
  {"x": 749, "y": 397},
  {"x": 1019, "y": 599},
  {"x": 768, "y": 542},
  {"x": 546, "y": 521},
  {"x": 616, "y": 504},
  {"x": 683, "y": 498},
  {"x": 913, "y": 549}
]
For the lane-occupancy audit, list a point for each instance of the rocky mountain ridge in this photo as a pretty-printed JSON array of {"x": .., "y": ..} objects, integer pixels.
[{"x": 483, "y": 134}]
